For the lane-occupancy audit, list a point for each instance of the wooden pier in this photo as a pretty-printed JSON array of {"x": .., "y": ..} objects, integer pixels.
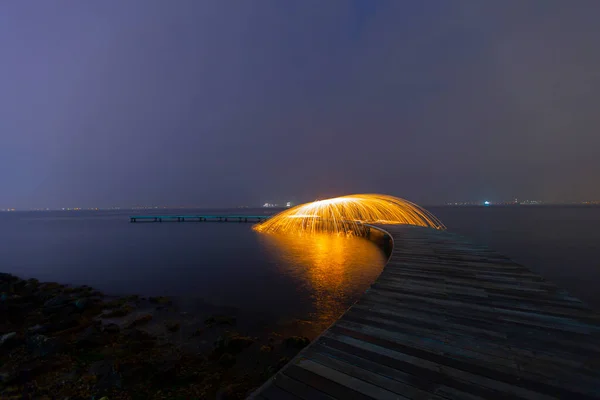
[
  {"x": 447, "y": 319},
  {"x": 198, "y": 218}
]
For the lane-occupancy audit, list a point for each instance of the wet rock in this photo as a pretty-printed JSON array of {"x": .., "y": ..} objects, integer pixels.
[
  {"x": 233, "y": 343},
  {"x": 30, "y": 370},
  {"x": 82, "y": 303},
  {"x": 282, "y": 362},
  {"x": 227, "y": 360},
  {"x": 6, "y": 377},
  {"x": 92, "y": 337},
  {"x": 41, "y": 345},
  {"x": 141, "y": 320},
  {"x": 220, "y": 320},
  {"x": 139, "y": 340},
  {"x": 111, "y": 328},
  {"x": 297, "y": 342},
  {"x": 6, "y": 339},
  {"x": 226, "y": 393},
  {"x": 115, "y": 303},
  {"x": 120, "y": 312},
  {"x": 198, "y": 332},
  {"x": 63, "y": 323},
  {"x": 57, "y": 301},
  {"x": 106, "y": 375},
  {"x": 266, "y": 349},
  {"x": 36, "y": 329},
  {"x": 161, "y": 300},
  {"x": 172, "y": 326}
]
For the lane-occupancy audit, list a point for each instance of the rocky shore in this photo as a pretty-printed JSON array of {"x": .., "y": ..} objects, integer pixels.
[{"x": 65, "y": 342}]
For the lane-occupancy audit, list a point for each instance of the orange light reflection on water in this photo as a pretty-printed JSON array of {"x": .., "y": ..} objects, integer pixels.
[{"x": 334, "y": 269}]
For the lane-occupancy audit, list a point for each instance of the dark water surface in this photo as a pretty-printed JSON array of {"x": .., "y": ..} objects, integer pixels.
[
  {"x": 312, "y": 278},
  {"x": 308, "y": 278},
  {"x": 561, "y": 243}
]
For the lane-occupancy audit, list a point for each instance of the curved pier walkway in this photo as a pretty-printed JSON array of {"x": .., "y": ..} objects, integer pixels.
[{"x": 450, "y": 320}]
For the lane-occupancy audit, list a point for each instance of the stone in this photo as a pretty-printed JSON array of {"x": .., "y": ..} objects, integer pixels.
[
  {"x": 41, "y": 345},
  {"x": 92, "y": 337},
  {"x": 161, "y": 300},
  {"x": 140, "y": 320},
  {"x": 107, "y": 377},
  {"x": 63, "y": 323},
  {"x": 57, "y": 301},
  {"x": 227, "y": 360},
  {"x": 220, "y": 320},
  {"x": 266, "y": 349},
  {"x": 119, "y": 312},
  {"x": 233, "y": 343},
  {"x": 238, "y": 343},
  {"x": 172, "y": 326},
  {"x": 111, "y": 328},
  {"x": 198, "y": 332},
  {"x": 7, "y": 338},
  {"x": 37, "y": 329},
  {"x": 82, "y": 303},
  {"x": 297, "y": 342}
]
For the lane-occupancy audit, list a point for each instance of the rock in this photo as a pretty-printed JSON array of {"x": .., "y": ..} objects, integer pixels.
[
  {"x": 198, "y": 332},
  {"x": 161, "y": 300},
  {"x": 5, "y": 340},
  {"x": 239, "y": 343},
  {"x": 227, "y": 360},
  {"x": 63, "y": 323},
  {"x": 41, "y": 345},
  {"x": 36, "y": 367},
  {"x": 282, "y": 362},
  {"x": 7, "y": 377},
  {"x": 6, "y": 277},
  {"x": 266, "y": 349},
  {"x": 220, "y": 320},
  {"x": 111, "y": 328},
  {"x": 120, "y": 312},
  {"x": 233, "y": 344},
  {"x": 115, "y": 303},
  {"x": 141, "y": 320},
  {"x": 106, "y": 376},
  {"x": 172, "y": 326},
  {"x": 82, "y": 303},
  {"x": 37, "y": 329},
  {"x": 297, "y": 342},
  {"x": 57, "y": 301},
  {"x": 140, "y": 340},
  {"x": 226, "y": 393},
  {"x": 92, "y": 337}
]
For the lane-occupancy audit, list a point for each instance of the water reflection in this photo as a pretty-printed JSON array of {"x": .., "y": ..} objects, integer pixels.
[{"x": 335, "y": 270}]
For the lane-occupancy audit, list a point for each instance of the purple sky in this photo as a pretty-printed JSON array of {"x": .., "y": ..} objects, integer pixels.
[{"x": 221, "y": 103}]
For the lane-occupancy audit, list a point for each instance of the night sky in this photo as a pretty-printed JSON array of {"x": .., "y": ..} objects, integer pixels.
[{"x": 226, "y": 103}]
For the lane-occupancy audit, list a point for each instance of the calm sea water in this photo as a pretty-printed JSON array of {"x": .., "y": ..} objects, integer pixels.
[{"x": 310, "y": 278}]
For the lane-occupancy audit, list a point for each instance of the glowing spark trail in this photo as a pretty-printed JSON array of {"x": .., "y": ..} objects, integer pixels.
[{"x": 347, "y": 214}]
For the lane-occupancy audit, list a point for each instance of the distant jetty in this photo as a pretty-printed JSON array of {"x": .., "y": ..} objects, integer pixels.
[{"x": 198, "y": 218}]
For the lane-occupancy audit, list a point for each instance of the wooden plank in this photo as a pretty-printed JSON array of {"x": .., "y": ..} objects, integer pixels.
[
  {"x": 453, "y": 377},
  {"x": 277, "y": 393},
  {"x": 417, "y": 386},
  {"x": 358, "y": 385},
  {"x": 298, "y": 388},
  {"x": 321, "y": 383},
  {"x": 447, "y": 319}
]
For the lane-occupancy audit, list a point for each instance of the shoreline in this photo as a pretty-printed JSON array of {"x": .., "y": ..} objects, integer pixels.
[
  {"x": 69, "y": 341},
  {"x": 62, "y": 341}
]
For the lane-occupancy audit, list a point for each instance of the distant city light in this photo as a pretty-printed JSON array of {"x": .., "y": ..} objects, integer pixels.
[
  {"x": 288, "y": 204},
  {"x": 487, "y": 203}
]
